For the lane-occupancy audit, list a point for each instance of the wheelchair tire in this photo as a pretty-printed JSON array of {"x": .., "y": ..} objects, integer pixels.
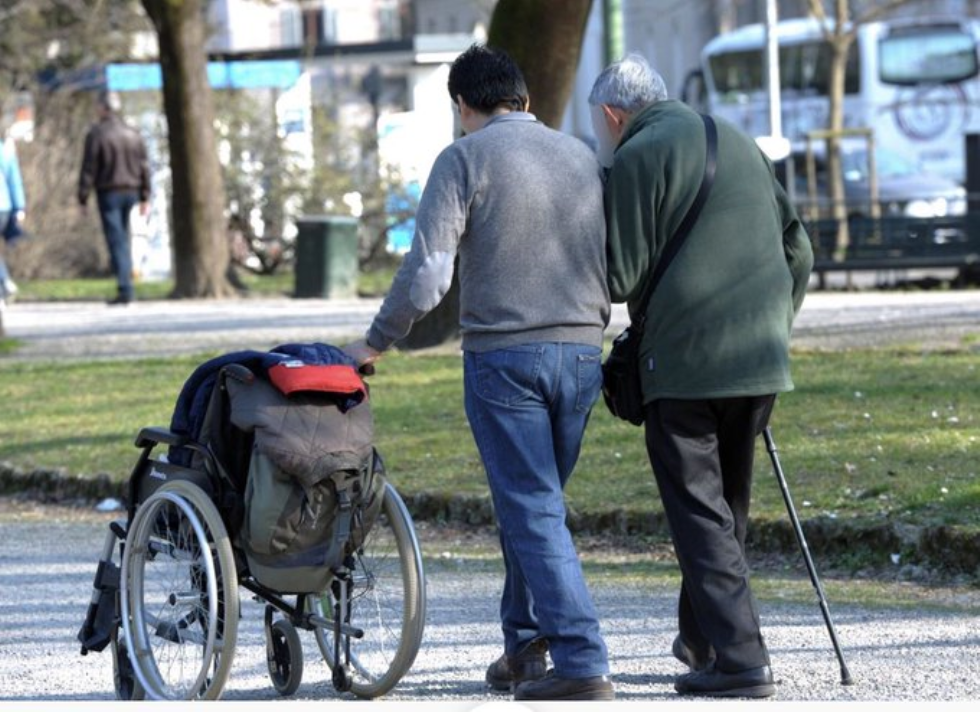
[
  {"x": 387, "y": 602},
  {"x": 179, "y": 595},
  {"x": 124, "y": 680},
  {"x": 284, "y": 655}
]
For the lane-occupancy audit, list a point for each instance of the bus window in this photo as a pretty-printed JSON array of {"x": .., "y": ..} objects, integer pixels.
[
  {"x": 915, "y": 81},
  {"x": 737, "y": 72},
  {"x": 936, "y": 55},
  {"x": 804, "y": 68}
]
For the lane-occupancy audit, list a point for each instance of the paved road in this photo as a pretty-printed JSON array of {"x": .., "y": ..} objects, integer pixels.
[{"x": 160, "y": 328}]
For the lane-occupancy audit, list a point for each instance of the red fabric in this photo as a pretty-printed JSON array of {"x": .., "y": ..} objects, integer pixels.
[{"x": 296, "y": 376}]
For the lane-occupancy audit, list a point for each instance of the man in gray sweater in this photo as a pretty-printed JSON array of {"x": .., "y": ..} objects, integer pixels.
[{"x": 521, "y": 206}]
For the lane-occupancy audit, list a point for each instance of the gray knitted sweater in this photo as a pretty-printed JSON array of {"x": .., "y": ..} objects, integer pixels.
[{"x": 521, "y": 205}]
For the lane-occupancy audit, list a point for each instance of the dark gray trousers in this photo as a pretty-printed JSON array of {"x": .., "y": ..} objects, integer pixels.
[{"x": 702, "y": 452}]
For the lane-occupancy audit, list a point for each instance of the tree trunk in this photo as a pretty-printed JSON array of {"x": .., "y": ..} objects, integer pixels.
[
  {"x": 545, "y": 39},
  {"x": 835, "y": 174},
  {"x": 199, "y": 236},
  {"x": 840, "y": 39}
]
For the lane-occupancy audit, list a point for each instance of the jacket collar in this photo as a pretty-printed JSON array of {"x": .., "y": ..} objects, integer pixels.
[
  {"x": 648, "y": 115},
  {"x": 511, "y": 116}
]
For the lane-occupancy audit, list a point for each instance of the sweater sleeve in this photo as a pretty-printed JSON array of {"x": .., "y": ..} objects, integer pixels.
[{"x": 426, "y": 272}]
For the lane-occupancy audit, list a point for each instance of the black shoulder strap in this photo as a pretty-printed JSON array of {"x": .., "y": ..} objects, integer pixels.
[{"x": 674, "y": 244}]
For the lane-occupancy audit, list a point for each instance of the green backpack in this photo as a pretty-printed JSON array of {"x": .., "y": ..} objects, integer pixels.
[{"x": 315, "y": 483}]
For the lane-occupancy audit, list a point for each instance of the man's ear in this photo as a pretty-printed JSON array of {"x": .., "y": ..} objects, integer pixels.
[
  {"x": 465, "y": 109},
  {"x": 616, "y": 117}
]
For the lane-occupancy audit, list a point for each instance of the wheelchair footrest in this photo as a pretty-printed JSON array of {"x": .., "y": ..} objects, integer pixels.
[{"x": 102, "y": 616}]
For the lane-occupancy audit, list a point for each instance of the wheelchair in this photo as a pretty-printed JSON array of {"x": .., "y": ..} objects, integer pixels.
[{"x": 166, "y": 595}]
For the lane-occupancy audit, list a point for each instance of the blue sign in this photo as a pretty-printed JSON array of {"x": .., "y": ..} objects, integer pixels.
[
  {"x": 252, "y": 74},
  {"x": 133, "y": 77}
]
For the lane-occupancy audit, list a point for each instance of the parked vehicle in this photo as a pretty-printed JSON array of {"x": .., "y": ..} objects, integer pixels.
[
  {"x": 915, "y": 80},
  {"x": 904, "y": 188}
]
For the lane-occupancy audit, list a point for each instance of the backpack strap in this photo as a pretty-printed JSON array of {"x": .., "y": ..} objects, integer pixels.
[{"x": 677, "y": 241}]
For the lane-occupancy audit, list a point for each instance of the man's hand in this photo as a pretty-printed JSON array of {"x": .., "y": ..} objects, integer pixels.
[{"x": 364, "y": 355}]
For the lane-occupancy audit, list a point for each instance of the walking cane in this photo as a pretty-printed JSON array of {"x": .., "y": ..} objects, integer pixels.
[{"x": 845, "y": 675}]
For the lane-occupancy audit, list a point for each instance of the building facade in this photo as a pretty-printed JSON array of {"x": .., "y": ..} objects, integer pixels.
[{"x": 386, "y": 61}]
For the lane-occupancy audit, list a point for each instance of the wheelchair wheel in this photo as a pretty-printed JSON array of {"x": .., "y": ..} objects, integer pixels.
[
  {"x": 124, "y": 679},
  {"x": 284, "y": 655},
  {"x": 386, "y": 599},
  {"x": 179, "y": 595}
]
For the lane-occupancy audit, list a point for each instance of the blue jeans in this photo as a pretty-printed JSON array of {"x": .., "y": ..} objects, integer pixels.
[
  {"x": 528, "y": 406},
  {"x": 4, "y": 272},
  {"x": 115, "y": 207}
]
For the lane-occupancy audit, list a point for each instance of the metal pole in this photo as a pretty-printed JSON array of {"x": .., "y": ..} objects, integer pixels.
[
  {"x": 845, "y": 675},
  {"x": 772, "y": 73},
  {"x": 613, "y": 21}
]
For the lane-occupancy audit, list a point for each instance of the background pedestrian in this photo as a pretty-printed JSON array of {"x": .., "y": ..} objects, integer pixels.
[{"x": 115, "y": 166}]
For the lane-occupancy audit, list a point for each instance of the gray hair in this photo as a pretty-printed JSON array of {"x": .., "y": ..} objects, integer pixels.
[{"x": 629, "y": 84}]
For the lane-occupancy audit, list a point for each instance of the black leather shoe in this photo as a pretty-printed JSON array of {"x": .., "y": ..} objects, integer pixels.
[
  {"x": 120, "y": 301},
  {"x": 712, "y": 682},
  {"x": 552, "y": 687},
  {"x": 696, "y": 660},
  {"x": 529, "y": 664}
]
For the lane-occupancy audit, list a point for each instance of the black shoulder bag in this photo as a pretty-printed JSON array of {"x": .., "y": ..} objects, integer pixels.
[{"x": 621, "y": 386}]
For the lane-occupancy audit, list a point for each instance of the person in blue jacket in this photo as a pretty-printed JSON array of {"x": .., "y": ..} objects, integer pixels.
[{"x": 12, "y": 204}]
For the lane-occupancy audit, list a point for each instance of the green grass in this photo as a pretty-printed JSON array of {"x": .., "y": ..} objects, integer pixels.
[
  {"x": 62, "y": 290},
  {"x": 653, "y": 568},
  {"x": 9, "y": 346},
  {"x": 868, "y": 435}
]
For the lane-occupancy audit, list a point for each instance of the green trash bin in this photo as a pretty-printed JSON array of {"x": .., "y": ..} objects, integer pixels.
[{"x": 326, "y": 257}]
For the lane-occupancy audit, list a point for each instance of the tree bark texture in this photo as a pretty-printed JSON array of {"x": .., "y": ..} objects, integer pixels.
[
  {"x": 198, "y": 231},
  {"x": 544, "y": 37}
]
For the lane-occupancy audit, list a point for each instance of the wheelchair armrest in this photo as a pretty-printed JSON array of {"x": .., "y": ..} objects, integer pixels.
[{"x": 154, "y": 435}]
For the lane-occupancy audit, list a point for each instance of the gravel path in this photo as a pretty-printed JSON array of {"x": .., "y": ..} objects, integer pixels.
[{"x": 48, "y": 556}]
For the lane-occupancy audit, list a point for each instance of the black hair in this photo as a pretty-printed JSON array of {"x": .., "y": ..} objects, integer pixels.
[{"x": 487, "y": 78}]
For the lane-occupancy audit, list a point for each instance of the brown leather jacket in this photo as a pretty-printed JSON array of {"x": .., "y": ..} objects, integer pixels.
[{"x": 114, "y": 159}]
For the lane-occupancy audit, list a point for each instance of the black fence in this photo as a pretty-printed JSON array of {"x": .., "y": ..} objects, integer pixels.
[{"x": 898, "y": 243}]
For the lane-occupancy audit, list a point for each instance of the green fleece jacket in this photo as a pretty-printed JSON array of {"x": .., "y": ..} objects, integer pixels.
[{"x": 719, "y": 323}]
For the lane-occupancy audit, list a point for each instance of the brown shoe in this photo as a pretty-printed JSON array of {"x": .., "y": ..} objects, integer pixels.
[{"x": 530, "y": 663}]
